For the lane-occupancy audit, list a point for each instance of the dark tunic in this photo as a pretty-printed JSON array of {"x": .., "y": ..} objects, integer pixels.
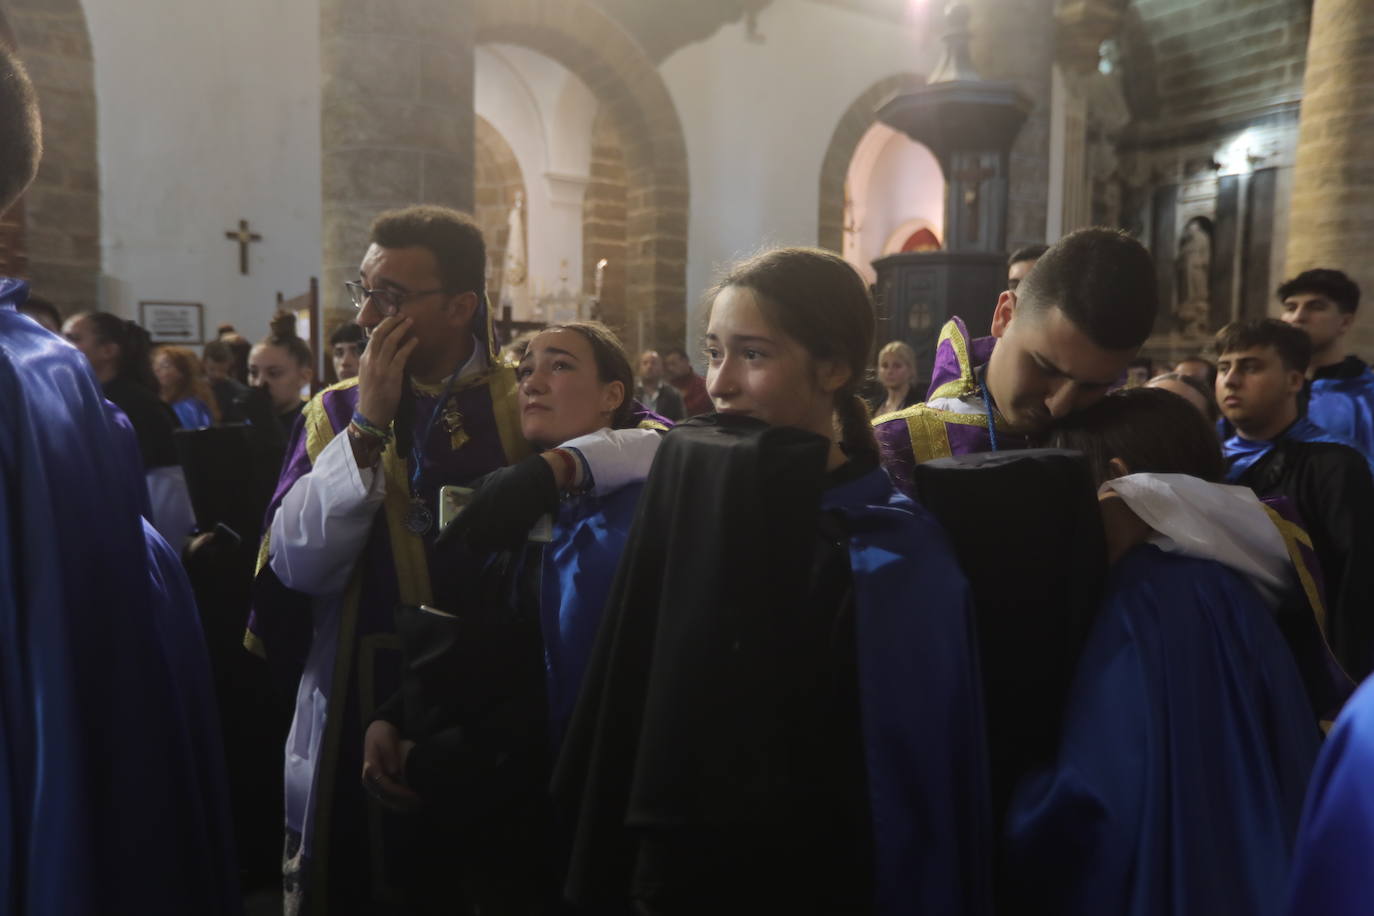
[
  {"x": 787, "y": 723},
  {"x": 1331, "y": 487},
  {"x": 683, "y": 870},
  {"x": 152, "y": 417}
]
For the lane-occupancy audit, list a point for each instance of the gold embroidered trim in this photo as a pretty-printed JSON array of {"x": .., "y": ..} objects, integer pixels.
[
  {"x": 929, "y": 438},
  {"x": 319, "y": 432},
  {"x": 253, "y": 644},
  {"x": 407, "y": 550},
  {"x": 652, "y": 424},
  {"x": 263, "y": 550},
  {"x": 964, "y": 384},
  {"x": 1293, "y": 535},
  {"x": 505, "y": 408}
]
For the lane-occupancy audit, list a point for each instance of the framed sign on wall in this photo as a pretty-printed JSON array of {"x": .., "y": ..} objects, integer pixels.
[{"x": 173, "y": 322}]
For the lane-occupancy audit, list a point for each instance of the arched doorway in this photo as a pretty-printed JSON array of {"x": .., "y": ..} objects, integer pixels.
[
  {"x": 839, "y": 155},
  {"x": 636, "y": 103},
  {"x": 892, "y": 182}
]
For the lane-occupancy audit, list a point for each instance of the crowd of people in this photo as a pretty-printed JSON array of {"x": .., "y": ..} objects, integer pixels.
[{"x": 554, "y": 630}]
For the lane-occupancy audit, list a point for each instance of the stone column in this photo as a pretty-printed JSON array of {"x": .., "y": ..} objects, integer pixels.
[
  {"x": 1014, "y": 40},
  {"x": 397, "y": 120},
  {"x": 1331, "y": 222},
  {"x": 61, "y": 211}
]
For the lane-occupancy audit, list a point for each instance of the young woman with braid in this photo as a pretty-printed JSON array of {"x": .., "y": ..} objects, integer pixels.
[{"x": 787, "y": 722}]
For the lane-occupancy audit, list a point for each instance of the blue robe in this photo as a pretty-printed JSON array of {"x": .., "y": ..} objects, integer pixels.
[
  {"x": 112, "y": 785},
  {"x": 1333, "y": 864},
  {"x": 1242, "y": 454},
  {"x": 579, "y": 564},
  {"x": 921, "y": 704},
  {"x": 1186, "y": 749},
  {"x": 193, "y": 413},
  {"x": 1344, "y": 405}
]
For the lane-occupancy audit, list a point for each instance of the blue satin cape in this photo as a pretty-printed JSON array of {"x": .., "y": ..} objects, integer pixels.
[
  {"x": 1242, "y": 454},
  {"x": 1345, "y": 407},
  {"x": 193, "y": 413},
  {"x": 589, "y": 535},
  {"x": 112, "y": 788},
  {"x": 921, "y": 705},
  {"x": 1187, "y": 745},
  {"x": 1333, "y": 865}
]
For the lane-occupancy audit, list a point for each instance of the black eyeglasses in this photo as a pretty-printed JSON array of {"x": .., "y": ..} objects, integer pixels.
[{"x": 388, "y": 300}]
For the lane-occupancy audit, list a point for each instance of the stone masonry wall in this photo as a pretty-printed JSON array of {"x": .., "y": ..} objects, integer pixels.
[
  {"x": 604, "y": 222},
  {"x": 1223, "y": 57},
  {"x": 397, "y": 119},
  {"x": 62, "y": 207}
]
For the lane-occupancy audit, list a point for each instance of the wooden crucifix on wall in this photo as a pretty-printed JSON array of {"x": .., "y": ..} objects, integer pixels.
[{"x": 244, "y": 238}]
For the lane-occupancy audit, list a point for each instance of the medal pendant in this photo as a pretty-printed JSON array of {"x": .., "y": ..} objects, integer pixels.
[
  {"x": 453, "y": 422},
  {"x": 419, "y": 519}
]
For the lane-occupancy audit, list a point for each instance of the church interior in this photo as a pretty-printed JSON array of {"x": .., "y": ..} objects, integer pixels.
[
  {"x": 209, "y": 170},
  {"x": 619, "y": 151}
]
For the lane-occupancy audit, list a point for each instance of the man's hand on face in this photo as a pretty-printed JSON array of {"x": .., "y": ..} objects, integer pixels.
[{"x": 382, "y": 370}]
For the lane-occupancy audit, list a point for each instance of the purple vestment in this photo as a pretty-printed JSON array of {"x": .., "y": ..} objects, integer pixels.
[
  {"x": 939, "y": 426},
  {"x": 353, "y": 659}
]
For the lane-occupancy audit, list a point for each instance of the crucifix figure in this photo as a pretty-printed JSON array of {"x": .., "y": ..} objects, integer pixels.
[
  {"x": 243, "y": 237},
  {"x": 970, "y": 174}
]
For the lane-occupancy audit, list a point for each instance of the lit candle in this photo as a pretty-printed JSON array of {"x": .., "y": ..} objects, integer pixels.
[{"x": 600, "y": 277}]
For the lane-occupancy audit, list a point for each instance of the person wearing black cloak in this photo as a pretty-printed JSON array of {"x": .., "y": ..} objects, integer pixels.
[
  {"x": 789, "y": 722},
  {"x": 492, "y": 670},
  {"x": 1260, "y": 374}
]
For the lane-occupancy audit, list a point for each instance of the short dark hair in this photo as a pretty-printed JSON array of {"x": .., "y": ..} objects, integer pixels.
[
  {"x": 37, "y": 305},
  {"x": 1027, "y": 253},
  {"x": 348, "y": 332},
  {"x": 1149, "y": 429},
  {"x": 1102, "y": 280},
  {"x": 453, "y": 237},
  {"x": 22, "y": 145},
  {"x": 666, "y": 352},
  {"x": 1293, "y": 345},
  {"x": 1333, "y": 284}
]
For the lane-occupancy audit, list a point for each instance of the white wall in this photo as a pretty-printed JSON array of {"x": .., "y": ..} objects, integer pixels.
[
  {"x": 207, "y": 117},
  {"x": 545, "y": 113},
  {"x": 758, "y": 117},
  {"x": 893, "y": 181}
]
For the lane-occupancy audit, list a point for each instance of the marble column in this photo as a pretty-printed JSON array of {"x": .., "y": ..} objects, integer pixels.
[
  {"x": 397, "y": 121},
  {"x": 1331, "y": 221}
]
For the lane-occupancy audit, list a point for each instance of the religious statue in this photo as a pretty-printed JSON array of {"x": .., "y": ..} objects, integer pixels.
[
  {"x": 1193, "y": 268},
  {"x": 515, "y": 290}
]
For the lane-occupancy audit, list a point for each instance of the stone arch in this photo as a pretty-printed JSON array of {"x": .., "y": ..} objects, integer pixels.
[
  {"x": 855, "y": 122},
  {"x": 59, "y": 222},
  {"x": 497, "y": 179},
  {"x": 634, "y": 97}
]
